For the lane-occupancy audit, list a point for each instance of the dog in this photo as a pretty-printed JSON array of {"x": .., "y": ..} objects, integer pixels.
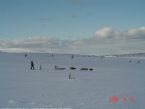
[
  {"x": 91, "y": 69},
  {"x": 84, "y": 69},
  {"x": 59, "y": 68},
  {"x": 72, "y": 68}
]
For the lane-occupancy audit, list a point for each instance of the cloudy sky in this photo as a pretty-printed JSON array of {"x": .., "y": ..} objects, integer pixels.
[{"x": 72, "y": 26}]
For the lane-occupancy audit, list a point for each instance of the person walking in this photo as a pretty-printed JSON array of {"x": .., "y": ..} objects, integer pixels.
[{"x": 32, "y": 65}]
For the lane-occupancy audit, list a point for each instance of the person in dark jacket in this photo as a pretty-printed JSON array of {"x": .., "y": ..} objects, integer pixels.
[
  {"x": 25, "y": 55},
  {"x": 72, "y": 56},
  {"x": 32, "y": 65}
]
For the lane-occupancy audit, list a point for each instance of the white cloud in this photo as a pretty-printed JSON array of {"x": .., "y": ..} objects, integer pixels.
[
  {"x": 105, "y": 41},
  {"x": 108, "y": 32},
  {"x": 136, "y": 33},
  {"x": 104, "y": 32}
]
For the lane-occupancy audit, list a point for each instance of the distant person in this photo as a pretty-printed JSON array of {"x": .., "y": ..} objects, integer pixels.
[
  {"x": 138, "y": 62},
  {"x": 25, "y": 55},
  {"x": 40, "y": 67},
  {"x": 70, "y": 76},
  {"x": 55, "y": 67},
  {"x": 32, "y": 65},
  {"x": 72, "y": 56},
  {"x": 52, "y": 55},
  {"x": 49, "y": 56}
]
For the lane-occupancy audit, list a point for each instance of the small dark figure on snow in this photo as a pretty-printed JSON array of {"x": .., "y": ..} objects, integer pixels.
[
  {"x": 70, "y": 76},
  {"x": 138, "y": 62},
  {"x": 40, "y": 67},
  {"x": 91, "y": 69},
  {"x": 25, "y": 55},
  {"x": 32, "y": 65},
  {"x": 72, "y": 56},
  {"x": 52, "y": 55},
  {"x": 72, "y": 68}
]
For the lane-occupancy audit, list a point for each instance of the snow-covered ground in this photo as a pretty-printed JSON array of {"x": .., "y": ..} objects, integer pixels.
[{"x": 50, "y": 88}]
